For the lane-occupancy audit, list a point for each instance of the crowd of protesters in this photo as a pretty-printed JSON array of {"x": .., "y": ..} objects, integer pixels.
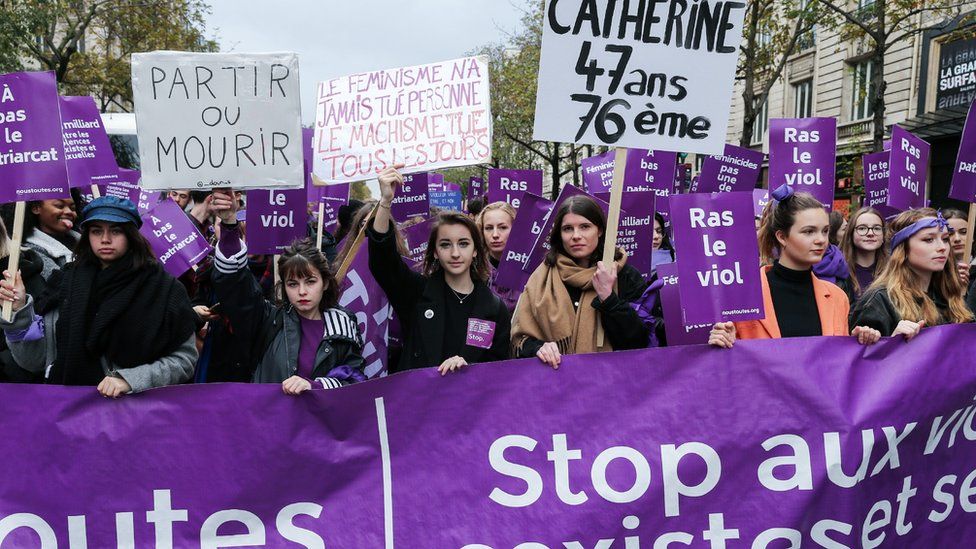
[{"x": 93, "y": 307}]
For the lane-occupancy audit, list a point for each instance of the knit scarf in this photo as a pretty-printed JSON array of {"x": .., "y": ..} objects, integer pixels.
[
  {"x": 545, "y": 311},
  {"x": 129, "y": 316}
]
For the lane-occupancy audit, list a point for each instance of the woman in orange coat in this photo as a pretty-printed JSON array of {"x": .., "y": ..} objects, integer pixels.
[{"x": 795, "y": 227}]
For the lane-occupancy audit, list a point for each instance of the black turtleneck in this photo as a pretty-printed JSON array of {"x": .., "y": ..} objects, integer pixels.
[{"x": 794, "y": 301}]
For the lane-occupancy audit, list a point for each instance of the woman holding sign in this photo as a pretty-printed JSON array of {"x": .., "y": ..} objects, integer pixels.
[
  {"x": 573, "y": 303},
  {"x": 495, "y": 222},
  {"x": 308, "y": 340},
  {"x": 919, "y": 286},
  {"x": 118, "y": 321},
  {"x": 448, "y": 316},
  {"x": 795, "y": 228},
  {"x": 865, "y": 249},
  {"x": 49, "y": 230}
]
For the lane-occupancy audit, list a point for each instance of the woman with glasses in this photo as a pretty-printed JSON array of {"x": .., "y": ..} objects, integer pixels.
[{"x": 865, "y": 249}]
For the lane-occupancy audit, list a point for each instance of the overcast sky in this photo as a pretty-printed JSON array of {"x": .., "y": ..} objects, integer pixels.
[{"x": 335, "y": 38}]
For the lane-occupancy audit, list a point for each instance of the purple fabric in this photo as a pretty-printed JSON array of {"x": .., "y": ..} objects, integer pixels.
[
  {"x": 802, "y": 153},
  {"x": 907, "y": 170},
  {"x": 687, "y": 439},
  {"x": 964, "y": 176},
  {"x": 230, "y": 240},
  {"x": 865, "y": 276},
  {"x": 312, "y": 331},
  {"x": 360, "y": 293},
  {"x": 31, "y": 333},
  {"x": 833, "y": 266},
  {"x": 645, "y": 310}
]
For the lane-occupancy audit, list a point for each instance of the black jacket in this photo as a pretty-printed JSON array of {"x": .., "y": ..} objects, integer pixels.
[
  {"x": 272, "y": 334},
  {"x": 418, "y": 303},
  {"x": 875, "y": 310},
  {"x": 621, "y": 323}
]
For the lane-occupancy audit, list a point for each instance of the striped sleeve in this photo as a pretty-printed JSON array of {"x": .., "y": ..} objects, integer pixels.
[
  {"x": 233, "y": 263},
  {"x": 328, "y": 382},
  {"x": 340, "y": 324}
]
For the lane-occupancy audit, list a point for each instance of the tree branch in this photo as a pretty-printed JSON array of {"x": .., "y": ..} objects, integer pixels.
[{"x": 852, "y": 20}]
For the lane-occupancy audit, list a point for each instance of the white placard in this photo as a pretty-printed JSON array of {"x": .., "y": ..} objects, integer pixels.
[
  {"x": 426, "y": 117},
  {"x": 643, "y": 75},
  {"x": 218, "y": 120}
]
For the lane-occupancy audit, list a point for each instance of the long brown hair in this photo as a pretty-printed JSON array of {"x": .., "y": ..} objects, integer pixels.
[
  {"x": 847, "y": 246},
  {"x": 780, "y": 216},
  {"x": 300, "y": 260},
  {"x": 901, "y": 282},
  {"x": 479, "y": 264},
  {"x": 586, "y": 207}
]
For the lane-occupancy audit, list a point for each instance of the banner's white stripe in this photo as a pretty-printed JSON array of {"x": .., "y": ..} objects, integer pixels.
[{"x": 387, "y": 474}]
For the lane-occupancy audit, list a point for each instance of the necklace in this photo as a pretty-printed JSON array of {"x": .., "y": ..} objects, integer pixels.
[{"x": 458, "y": 295}]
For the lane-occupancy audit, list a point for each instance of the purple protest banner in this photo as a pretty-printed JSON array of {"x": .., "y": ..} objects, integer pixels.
[
  {"x": 907, "y": 170},
  {"x": 803, "y": 154},
  {"x": 416, "y": 237},
  {"x": 675, "y": 329},
  {"x": 816, "y": 439},
  {"x": 330, "y": 212},
  {"x": 598, "y": 172},
  {"x": 32, "y": 159},
  {"x": 411, "y": 198},
  {"x": 964, "y": 176},
  {"x": 360, "y": 293},
  {"x": 275, "y": 219},
  {"x": 126, "y": 185},
  {"x": 510, "y": 185},
  {"x": 760, "y": 197},
  {"x": 530, "y": 218},
  {"x": 174, "y": 239},
  {"x": 87, "y": 150},
  {"x": 737, "y": 170},
  {"x": 476, "y": 188},
  {"x": 718, "y": 267}
]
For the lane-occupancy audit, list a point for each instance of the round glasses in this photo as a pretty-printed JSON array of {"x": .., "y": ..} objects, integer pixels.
[{"x": 863, "y": 230}]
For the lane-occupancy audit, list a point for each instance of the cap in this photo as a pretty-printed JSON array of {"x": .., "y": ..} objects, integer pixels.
[{"x": 112, "y": 210}]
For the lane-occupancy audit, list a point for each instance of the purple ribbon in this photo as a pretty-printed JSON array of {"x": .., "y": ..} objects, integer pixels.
[
  {"x": 921, "y": 224},
  {"x": 782, "y": 193}
]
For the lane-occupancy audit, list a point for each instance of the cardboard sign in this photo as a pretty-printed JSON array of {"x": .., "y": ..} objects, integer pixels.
[
  {"x": 426, "y": 117},
  {"x": 32, "y": 164},
  {"x": 510, "y": 185},
  {"x": 218, "y": 120},
  {"x": 87, "y": 149},
  {"x": 803, "y": 154},
  {"x": 598, "y": 172},
  {"x": 675, "y": 328},
  {"x": 530, "y": 219},
  {"x": 411, "y": 198},
  {"x": 655, "y": 76},
  {"x": 964, "y": 176}
]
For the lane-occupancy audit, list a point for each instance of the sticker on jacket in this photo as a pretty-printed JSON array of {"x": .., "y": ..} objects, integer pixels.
[{"x": 480, "y": 333}]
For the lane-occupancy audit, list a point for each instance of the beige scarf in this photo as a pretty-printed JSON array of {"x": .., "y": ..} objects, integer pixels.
[{"x": 544, "y": 311}]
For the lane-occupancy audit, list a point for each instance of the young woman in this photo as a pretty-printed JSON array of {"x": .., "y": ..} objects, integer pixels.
[
  {"x": 865, "y": 249},
  {"x": 662, "y": 249},
  {"x": 797, "y": 303},
  {"x": 118, "y": 321},
  {"x": 495, "y": 223},
  {"x": 919, "y": 286},
  {"x": 49, "y": 230},
  {"x": 448, "y": 316},
  {"x": 959, "y": 230},
  {"x": 306, "y": 340},
  {"x": 572, "y": 301}
]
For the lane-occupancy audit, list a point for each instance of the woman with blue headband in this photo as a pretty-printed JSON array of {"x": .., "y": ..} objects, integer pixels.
[
  {"x": 920, "y": 286},
  {"x": 793, "y": 237}
]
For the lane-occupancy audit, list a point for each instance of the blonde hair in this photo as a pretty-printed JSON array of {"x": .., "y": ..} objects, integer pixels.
[
  {"x": 503, "y": 206},
  {"x": 847, "y": 246},
  {"x": 901, "y": 282}
]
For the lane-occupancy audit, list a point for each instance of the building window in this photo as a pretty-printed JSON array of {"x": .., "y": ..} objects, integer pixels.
[
  {"x": 760, "y": 122},
  {"x": 861, "y": 90},
  {"x": 808, "y": 39},
  {"x": 82, "y": 47},
  {"x": 803, "y": 99}
]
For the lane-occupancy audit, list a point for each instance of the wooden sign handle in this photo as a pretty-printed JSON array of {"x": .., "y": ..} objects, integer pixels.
[
  {"x": 14, "y": 262},
  {"x": 613, "y": 215},
  {"x": 318, "y": 236},
  {"x": 360, "y": 236},
  {"x": 95, "y": 192}
]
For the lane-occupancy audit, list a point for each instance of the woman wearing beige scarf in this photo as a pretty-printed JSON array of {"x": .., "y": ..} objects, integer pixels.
[{"x": 573, "y": 303}]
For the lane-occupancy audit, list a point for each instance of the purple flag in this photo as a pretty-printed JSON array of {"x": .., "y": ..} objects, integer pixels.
[
  {"x": 760, "y": 197},
  {"x": 275, "y": 219},
  {"x": 509, "y": 185},
  {"x": 803, "y": 154},
  {"x": 598, "y": 172},
  {"x": 530, "y": 218},
  {"x": 447, "y": 200},
  {"x": 126, "y": 185},
  {"x": 417, "y": 237},
  {"x": 32, "y": 159},
  {"x": 736, "y": 170},
  {"x": 677, "y": 332},
  {"x": 907, "y": 170},
  {"x": 174, "y": 239},
  {"x": 816, "y": 439},
  {"x": 87, "y": 149},
  {"x": 476, "y": 188},
  {"x": 718, "y": 267},
  {"x": 411, "y": 198},
  {"x": 964, "y": 176},
  {"x": 361, "y": 294}
]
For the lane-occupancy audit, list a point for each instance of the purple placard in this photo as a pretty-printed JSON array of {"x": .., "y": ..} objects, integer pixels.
[
  {"x": 275, "y": 219},
  {"x": 416, "y": 237},
  {"x": 330, "y": 211},
  {"x": 480, "y": 333},
  {"x": 360, "y": 293},
  {"x": 530, "y": 218},
  {"x": 875, "y": 167},
  {"x": 718, "y": 269},
  {"x": 681, "y": 178},
  {"x": 598, "y": 172},
  {"x": 760, "y": 197},
  {"x": 87, "y": 150},
  {"x": 174, "y": 239},
  {"x": 411, "y": 198},
  {"x": 677, "y": 332},
  {"x": 635, "y": 233},
  {"x": 650, "y": 171},
  {"x": 126, "y": 186},
  {"x": 476, "y": 188},
  {"x": 509, "y": 185},
  {"x": 803, "y": 154},
  {"x": 964, "y": 176},
  {"x": 736, "y": 170},
  {"x": 32, "y": 165},
  {"x": 907, "y": 170}
]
